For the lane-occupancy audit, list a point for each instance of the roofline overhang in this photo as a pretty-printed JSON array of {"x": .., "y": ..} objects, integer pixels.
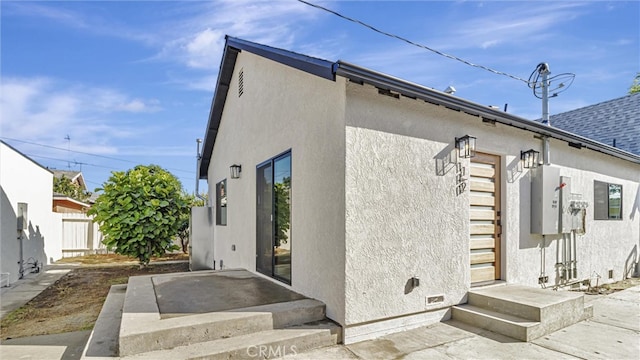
[
  {"x": 26, "y": 157},
  {"x": 329, "y": 70},
  {"x": 383, "y": 81},
  {"x": 71, "y": 200},
  {"x": 232, "y": 47}
]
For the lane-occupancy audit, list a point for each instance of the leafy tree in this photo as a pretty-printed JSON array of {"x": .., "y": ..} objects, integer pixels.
[
  {"x": 282, "y": 192},
  {"x": 64, "y": 185},
  {"x": 183, "y": 229},
  {"x": 635, "y": 87},
  {"x": 139, "y": 212}
]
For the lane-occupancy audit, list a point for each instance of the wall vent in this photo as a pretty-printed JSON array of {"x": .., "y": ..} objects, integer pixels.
[
  {"x": 435, "y": 299},
  {"x": 241, "y": 83},
  {"x": 610, "y": 274}
]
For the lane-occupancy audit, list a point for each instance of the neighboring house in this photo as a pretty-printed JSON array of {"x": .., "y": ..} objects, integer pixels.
[
  {"x": 75, "y": 176},
  {"x": 80, "y": 235},
  {"x": 64, "y": 204},
  {"x": 30, "y": 232},
  {"x": 615, "y": 122},
  {"x": 363, "y": 190}
]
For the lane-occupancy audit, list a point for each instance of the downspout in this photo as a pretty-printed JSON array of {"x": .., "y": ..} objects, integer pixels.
[
  {"x": 21, "y": 262},
  {"x": 198, "y": 157}
]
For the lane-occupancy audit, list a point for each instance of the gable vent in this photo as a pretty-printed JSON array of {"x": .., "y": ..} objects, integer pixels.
[{"x": 241, "y": 83}]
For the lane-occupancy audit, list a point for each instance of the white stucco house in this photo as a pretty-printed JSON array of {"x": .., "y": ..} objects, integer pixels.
[
  {"x": 30, "y": 231},
  {"x": 389, "y": 201}
]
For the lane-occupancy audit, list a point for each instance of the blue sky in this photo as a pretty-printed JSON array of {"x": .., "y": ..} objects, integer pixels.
[{"x": 132, "y": 81}]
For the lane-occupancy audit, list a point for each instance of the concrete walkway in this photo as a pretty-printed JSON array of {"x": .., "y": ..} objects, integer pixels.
[
  {"x": 613, "y": 333},
  {"x": 25, "y": 289}
]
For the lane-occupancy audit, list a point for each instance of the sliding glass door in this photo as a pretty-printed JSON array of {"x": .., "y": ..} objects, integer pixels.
[{"x": 273, "y": 238}]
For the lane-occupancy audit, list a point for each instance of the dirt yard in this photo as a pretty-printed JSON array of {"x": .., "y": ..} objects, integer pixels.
[{"x": 73, "y": 303}]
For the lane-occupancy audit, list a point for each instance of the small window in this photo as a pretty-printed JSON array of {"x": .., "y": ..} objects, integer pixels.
[
  {"x": 607, "y": 201},
  {"x": 221, "y": 202}
]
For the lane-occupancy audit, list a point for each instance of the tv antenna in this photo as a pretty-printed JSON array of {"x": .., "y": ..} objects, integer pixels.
[
  {"x": 68, "y": 138},
  {"x": 542, "y": 85}
]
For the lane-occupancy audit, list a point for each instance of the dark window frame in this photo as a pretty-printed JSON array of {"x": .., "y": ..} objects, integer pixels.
[
  {"x": 272, "y": 162},
  {"x": 221, "y": 203},
  {"x": 602, "y": 201}
]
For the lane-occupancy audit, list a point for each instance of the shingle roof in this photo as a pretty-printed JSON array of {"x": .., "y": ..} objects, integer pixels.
[
  {"x": 614, "y": 120},
  {"x": 69, "y": 174}
]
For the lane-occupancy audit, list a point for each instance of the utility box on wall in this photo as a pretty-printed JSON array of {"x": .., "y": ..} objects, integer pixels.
[
  {"x": 545, "y": 200},
  {"x": 23, "y": 219}
]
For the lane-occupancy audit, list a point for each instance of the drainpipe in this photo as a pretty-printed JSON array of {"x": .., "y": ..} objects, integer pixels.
[
  {"x": 198, "y": 157},
  {"x": 21, "y": 262}
]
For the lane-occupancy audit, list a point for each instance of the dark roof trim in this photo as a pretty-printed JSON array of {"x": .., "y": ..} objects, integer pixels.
[
  {"x": 329, "y": 70},
  {"x": 233, "y": 46},
  {"x": 360, "y": 74},
  {"x": 26, "y": 157},
  {"x": 315, "y": 66}
]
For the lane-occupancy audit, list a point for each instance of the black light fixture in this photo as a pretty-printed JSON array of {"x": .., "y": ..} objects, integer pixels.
[
  {"x": 466, "y": 146},
  {"x": 530, "y": 158},
  {"x": 235, "y": 171}
]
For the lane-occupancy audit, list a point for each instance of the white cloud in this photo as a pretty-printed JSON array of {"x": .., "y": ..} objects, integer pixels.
[
  {"x": 203, "y": 48},
  {"x": 43, "y": 110},
  {"x": 517, "y": 24},
  {"x": 197, "y": 41}
]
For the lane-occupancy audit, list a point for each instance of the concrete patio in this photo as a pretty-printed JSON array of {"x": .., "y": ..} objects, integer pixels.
[{"x": 180, "y": 306}]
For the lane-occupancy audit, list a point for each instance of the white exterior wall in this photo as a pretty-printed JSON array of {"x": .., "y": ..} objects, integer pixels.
[
  {"x": 403, "y": 220},
  {"x": 606, "y": 244},
  {"x": 23, "y": 181},
  {"x": 283, "y": 108}
]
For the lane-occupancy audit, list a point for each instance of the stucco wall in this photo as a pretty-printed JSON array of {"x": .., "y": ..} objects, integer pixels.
[
  {"x": 281, "y": 109},
  {"x": 23, "y": 181},
  {"x": 404, "y": 220},
  {"x": 606, "y": 244}
]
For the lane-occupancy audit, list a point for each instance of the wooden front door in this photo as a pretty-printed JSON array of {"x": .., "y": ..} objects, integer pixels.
[{"x": 484, "y": 216}]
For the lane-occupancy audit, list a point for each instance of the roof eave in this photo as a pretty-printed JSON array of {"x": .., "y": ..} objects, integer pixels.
[
  {"x": 233, "y": 46},
  {"x": 384, "y": 81}
]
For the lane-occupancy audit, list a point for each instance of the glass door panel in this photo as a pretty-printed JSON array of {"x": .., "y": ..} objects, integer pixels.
[
  {"x": 264, "y": 222},
  {"x": 282, "y": 216}
]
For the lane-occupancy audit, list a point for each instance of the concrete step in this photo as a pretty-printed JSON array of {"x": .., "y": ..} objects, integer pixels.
[
  {"x": 273, "y": 343},
  {"x": 513, "y": 326},
  {"x": 522, "y": 312},
  {"x": 170, "y": 333},
  {"x": 529, "y": 302},
  {"x": 103, "y": 342}
]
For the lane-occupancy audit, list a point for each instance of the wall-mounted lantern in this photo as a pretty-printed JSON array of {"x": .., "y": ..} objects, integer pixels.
[
  {"x": 530, "y": 158},
  {"x": 235, "y": 171},
  {"x": 466, "y": 146}
]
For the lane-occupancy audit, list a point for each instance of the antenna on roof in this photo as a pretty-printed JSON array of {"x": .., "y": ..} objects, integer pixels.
[
  {"x": 542, "y": 85},
  {"x": 68, "y": 138}
]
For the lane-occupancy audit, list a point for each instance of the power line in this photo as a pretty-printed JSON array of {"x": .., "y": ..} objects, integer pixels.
[
  {"x": 413, "y": 43},
  {"x": 84, "y": 153},
  {"x": 69, "y": 161},
  {"x": 74, "y": 162}
]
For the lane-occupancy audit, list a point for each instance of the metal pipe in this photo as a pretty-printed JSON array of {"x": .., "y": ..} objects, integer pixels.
[
  {"x": 543, "y": 69},
  {"x": 21, "y": 262},
  {"x": 198, "y": 157},
  {"x": 575, "y": 254},
  {"x": 546, "y": 150},
  {"x": 570, "y": 261}
]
